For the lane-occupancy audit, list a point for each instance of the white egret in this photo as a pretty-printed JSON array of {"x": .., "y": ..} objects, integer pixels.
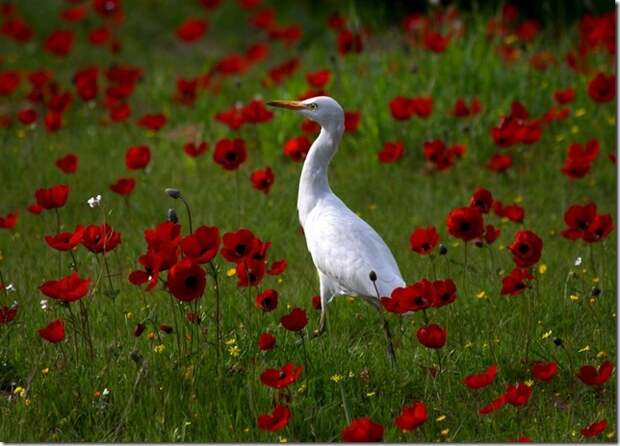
[{"x": 349, "y": 255}]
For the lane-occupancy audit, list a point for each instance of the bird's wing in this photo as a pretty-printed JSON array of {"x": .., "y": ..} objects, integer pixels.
[{"x": 346, "y": 249}]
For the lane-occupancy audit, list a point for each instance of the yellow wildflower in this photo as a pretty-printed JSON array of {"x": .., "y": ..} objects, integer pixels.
[
  {"x": 585, "y": 349},
  {"x": 20, "y": 391},
  {"x": 542, "y": 268},
  {"x": 336, "y": 378},
  {"x": 482, "y": 295},
  {"x": 231, "y": 272},
  {"x": 440, "y": 418},
  {"x": 234, "y": 351},
  {"x": 159, "y": 348},
  {"x": 547, "y": 334},
  {"x": 231, "y": 341},
  {"x": 445, "y": 432},
  {"x": 45, "y": 371},
  {"x": 580, "y": 112}
]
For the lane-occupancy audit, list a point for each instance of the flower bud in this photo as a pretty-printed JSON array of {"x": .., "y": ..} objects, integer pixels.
[
  {"x": 173, "y": 193},
  {"x": 172, "y": 216},
  {"x": 596, "y": 291},
  {"x": 442, "y": 249},
  {"x": 373, "y": 276}
]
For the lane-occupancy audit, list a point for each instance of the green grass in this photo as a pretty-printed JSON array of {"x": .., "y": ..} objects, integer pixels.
[{"x": 177, "y": 398}]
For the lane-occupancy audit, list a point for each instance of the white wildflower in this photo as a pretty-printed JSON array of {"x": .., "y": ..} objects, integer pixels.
[
  {"x": 578, "y": 261},
  {"x": 95, "y": 201}
]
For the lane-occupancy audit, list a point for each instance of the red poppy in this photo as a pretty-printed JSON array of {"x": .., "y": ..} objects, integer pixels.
[
  {"x": 589, "y": 150},
  {"x": 280, "y": 378},
  {"x": 518, "y": 395},
  {"x": 53, "y": 197},
  {"x": 440, "y": 155},
  {"x": 578, "y": 219},
  {"x": 239, "y": 245},
  {"x": 194, "y": 150},
  {"x": 316, "y": 302},
  {"x": 100, "y": 238},
  {"x": 186, "y": 91},
  {"x": 276, "y": 421},
  {"x": 515, "y": 283},
  {"x": 9, "y": 221},
  {"x": 481, "y": 199},
  {"x": 460, "y": 108},
  {"x": 352, "y": 121},
  {"x": 100, "y": 35},
  {"x": 255, "y": 112},
  {"x": 232, "y": 117},
  {"x": 68, "y": 164},
  {"x": 564, "y": 96},
  {"x": 589, "y": 375},
  {"x": 9, "y": 81},
  {"x": 391, "y": 152},
  {"x": 35, "y": 208},
  {"x": 544, "y": 371},
  {"x": 416, "y": 297},
  {"x": 119, "y": 112},
  {"x": 602, "y": 88},
  {"x": 435, "y": 42},
  {"x": 27, "y": 116},
  {"x": 137, "y": 157},
  {"x": 424, "y": 240},
  {"x": 230, "y": 153},
  {"x": 59, "y": 42},
  {"x": 480, "y": 380},
  {"x": 499, "y": 163},
  {"x": 444, "y": 292},
  {"x": 53, "y": 332},
  {"x": 411, "y": 416},
  {"x": 465, "y": 223},
  {"x": 526, "y": 248},
  {"x": 431, "y": 336},
  {"x": 575, "y": 168},
  {"x": 594, "y": 429},
  {"x": 201, "y": 246},
  {"x": 123, "y": 186},
  {"x": 349, "y": 42},
  {"x": 277, "y": 267},
  {"x": 7, "y": 314},
  {"x": 297, "y": 148},
  {"x": 85, "y": 81},
  {"x": 318, "y": 79},
  {"x": 266, "y": 341},
  {"x": 600, "y": 228},
  {"x": 53, "y": 121},
  {"x": 152, "y": 121},
  {"x": 192, "y": 29},
  {"x": 250, "y": 272},
  {"x": 402, "y": 108},
  {"x": 362, "y": 430},
  {"x": 65, "y": 241},
  {"x": 186, "y": 280},
  {"x": 512, "y": 212},
  {"x": 262, "y": 179},
  {"x": 423, "y": 106},
  {"x": 491, "y": 233},
  {"x": 296, "y": 320},
  {"x": 67, "y": 289},
  {"x": 494, "y": 405}
]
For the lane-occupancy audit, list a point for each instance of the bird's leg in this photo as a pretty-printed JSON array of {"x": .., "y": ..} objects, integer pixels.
[
  {"x": 321, "y": 329},
  {"x": 384, "y": 322}
]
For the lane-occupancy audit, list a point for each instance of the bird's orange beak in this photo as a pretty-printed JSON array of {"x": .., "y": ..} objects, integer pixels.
[{"x": 292, "y": 105}]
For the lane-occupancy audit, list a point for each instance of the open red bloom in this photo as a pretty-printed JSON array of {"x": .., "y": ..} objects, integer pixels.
[
  {"x": 276, "y": 421},
  {"x": 602, "y": 88},
  {"x": 250, "y": 272},
  {"x": 9, "y": 221},
  {"x": 232, "y": 117},
  {"x": 192, "y": 29},
  {"x": 7, "y": 314},
  {"x": 544, "y": 371},
  {"x": 578, "y": 219},
  {"x": 9, "y": 81},
  {"x": 491, "y": 233},
  {"x": 239, "y": 245},
  {"x": 435, "y": 42},
  {"x": 123, "y": 186},
  {"x": 53, "y": 332},
  {"x": 262, "y": 179},
  {"x": 564, "y": 96},
  {"x": 255, "y": 112},
  {"x": 52, "y": 198},
  {"x": 362, "y": 430},
  {"x": 230, "y": 153},
  {"x": 100, "y": 239},
  {"x": 68, "y": 163},
  {"x": 277, "y": 267},
  {"x": 202, "y": 245},
  {"x": 600, "y": 228},
  {"x": 280, "y": 378},
  {"x": 480, "y": 380},
  {"x": 499, "y": 163},
  {"x": 194, "y": 150},
  {"x": 137, "y": 157},
  {"x": 592, "y": 377},
  {"x": 318, "y": 79},
  {"x": 481, "y": 199},
  {"x": 391, "y": 152},
  {"x": 186, "y": 280},
  {"x": 401, "y": 108},
  {"x": 422, "y": 106},
  {"x": 296, "y": 320},
  {"x": 416, "y": 297},
  {"x": 266, "y": 341},
  {"x": 465, "y": 223},
  {"x": 431, "y": 336},
  {"x": 59, "y": 42},
  {"x": 518, "y": 395},
  {"x": 526, "y": 248},
  {"x": 267, "y": 300},
  {"x": 494, "y": 405},
  {"x": 27, "y": 116},
  {"x": 594, "y": 429},
  {"x": 297, "y": 148},
  {"x": 67, "y": 289},
  {"x": 411, "y": 416},
  {"x": 65, "y": 241},
  {"x": 152, "y": 121},
  {"x": 444, "y": 292},
  {"x": 349, "y": 42},
  {"x": 515, "y": 283},
  {"x": 352, "y": 121},
  {"x": 424, "y": 240},
  {"x": 460, "y": 108}
]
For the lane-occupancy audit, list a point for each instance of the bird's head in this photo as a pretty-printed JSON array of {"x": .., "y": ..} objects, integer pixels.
[{"x": 321, "y": 109}]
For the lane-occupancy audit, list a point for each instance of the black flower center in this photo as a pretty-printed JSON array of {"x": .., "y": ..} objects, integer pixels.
[
  {"x": 231, "y": 156},
  {"x": 240, "y": 249},
  {"x": 191, "y": 282},
  {"x": 465, "y": 226},
  {"x": 524, "y": 248}
]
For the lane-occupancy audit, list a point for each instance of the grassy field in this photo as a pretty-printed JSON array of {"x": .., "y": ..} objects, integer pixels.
[{"x": 145, "y": 389}]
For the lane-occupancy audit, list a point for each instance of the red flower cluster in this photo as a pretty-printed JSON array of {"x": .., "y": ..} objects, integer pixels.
[
  {"x": 583, "y": 222},
  {"x": 579, "y": 159},
  {"x": 440, "y": 155},
  {"x": 420, "y": 296},
  {"x": 403, "y": 108}
]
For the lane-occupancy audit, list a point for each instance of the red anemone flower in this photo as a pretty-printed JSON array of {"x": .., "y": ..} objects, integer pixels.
[
  {"x": 362, "y": 430},
  {"x": 401, "y": 108},
  {"x": 480, "y": 380},
  {"x": 53, "y": 332},
  {"x": 100, "y": 239},
  {"x": 9, "y": 221},
  {"x": 411, "y": 416},
  {"x": 296, "y": 320},
  {"x": 65, "y": 241},
  {"x": 435, "y": 42},
  {"x": 266, "y": 341},
  {"x": 318, "y": 79},
  {"x": 267, "y": 300},
  {"x": 123, "y": 186},
  {"x": 515, "y": 283},
  {"x": 152, "y": 121},
  {"x": 255, "y": 112},
  {"x": 349, "y": 42},
  {"x": 67, "y": 289},
  {"x": 275, "y": 421},
  {"x": 27, "y": 116},
  {"x": 236, "y": 246},
  {"x": 391, "y": 152},
  {"x": 518, "y": 395},
  {"x": 444, "y": 292},
  {"x": 578, "y": 219},
  {"x": 262, "y": 179},
  {"x": 68, "y": 163},
  {"x": 137, "y": 157},
  {"x": 424, "y": 240},
  {"x": 277, "y": 267},
  {"x": 494, "y": 405},
  {"x": 202, "y": 246},
  {"x": 7, "y": 314},
  {"x": 194, "y": 150},
  {"x": 481, "y": 199},
  {"x": 564, "y": 96},
  {"x": 432, "y": 336},
  {"x": 192, "y": 29},
  {"x": 602, "y": 88},
  {"x": 491, "y": 233},
  {"x": 297, "y": 148},
  {"x": 352, "y": 121},
  {"x": 186, "y": 280},
  {"x": 594, "y": 429},
  {"x": 600, "y": 228},
  {"x": 544, "y": 371},
  {"x": 250, "y": 272},
  {"x": 589, "y": 375},
  {"x": 280, "y": 378},
  {"x": 230, "y": 153},
  {"x": 465, "y": 223},
  {"x": 59, "y": 42},
  {"x": 53, "y": 197},
  {"x": 526, "y": 249},
  {"x": 499, "y": 163}
]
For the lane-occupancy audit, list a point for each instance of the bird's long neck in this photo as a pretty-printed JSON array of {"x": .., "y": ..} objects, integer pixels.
[{"x": 313, "y": 183}]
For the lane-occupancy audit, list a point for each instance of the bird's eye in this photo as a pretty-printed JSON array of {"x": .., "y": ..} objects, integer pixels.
[{"x": 313, "y": 106}]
